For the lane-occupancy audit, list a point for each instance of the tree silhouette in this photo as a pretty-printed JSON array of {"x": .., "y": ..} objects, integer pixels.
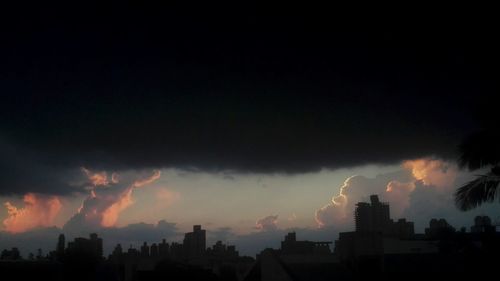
[{"x": 480, "y": 150}]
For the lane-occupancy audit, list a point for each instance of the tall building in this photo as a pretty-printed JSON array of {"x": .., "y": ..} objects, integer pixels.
[
  {"x": 96, "y": 244},
  {"x": 374, "y": 217},
  {"x": 176, "y": 250},
  {"x": 195, "y": 242},
  {"x": 403, "y": 229},
  {"x": 163, "y": 248},
  {"x": 222, "y": 251},
  {"x": 118, "y": 251},
  {"x": 92, "y": 246},
  {"x": 61, "y": 243},
  {"x": 376, "y": 233},
  {"x": 13, "y": 254},
  {"x": 154, "y": 250},
  {"x": 145, "y": 250},
  {"x": 117, "y": 254},
  {"x": 132, "y": 252},
  {"x": 438, "y": 228},
  {"x": 482, "y": 224}
]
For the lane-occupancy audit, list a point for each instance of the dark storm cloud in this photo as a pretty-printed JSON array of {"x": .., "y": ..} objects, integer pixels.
[
  {"x": 132, "y": 88},
  {"x": 22, "y": 171}
]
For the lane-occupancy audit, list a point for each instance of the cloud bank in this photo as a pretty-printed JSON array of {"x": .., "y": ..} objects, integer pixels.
[
  {"x": 38, "y": 211},
  {"x": 427, "y": 177},
  {"x": 103, "y": 205}
]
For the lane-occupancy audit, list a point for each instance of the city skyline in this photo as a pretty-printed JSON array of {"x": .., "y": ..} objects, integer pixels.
[
  {"x": 138, "y": 121},
  {"x": 421, "y": 189},
  {"x": 361, "y": 218},
  {"x": 375, "y": 243}
]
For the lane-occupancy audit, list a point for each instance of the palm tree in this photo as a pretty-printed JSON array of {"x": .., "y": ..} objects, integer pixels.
[{"x": 478, "y": 151}]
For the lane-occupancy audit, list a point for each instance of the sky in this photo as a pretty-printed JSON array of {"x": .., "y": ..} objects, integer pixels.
[{"x": 138, "y": 122}]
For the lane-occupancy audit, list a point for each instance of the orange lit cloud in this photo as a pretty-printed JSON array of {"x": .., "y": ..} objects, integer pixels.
[
  {"x": 432, "y": 171},
  {"x": 139, "y": 183},
  {"x": 99, "y": 178},
  {"x": 396, "y": 188},
  {"x": 110, "y": 215},
  {"x": 398, "y": 194},
  {"x": 124, "y": 200},
  {"x": 38, "y": 211},
  {"x": 103, "y": 206}
]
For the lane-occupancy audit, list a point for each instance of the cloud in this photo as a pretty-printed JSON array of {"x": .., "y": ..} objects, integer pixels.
[
  {"x": 330, "y": 215},
  {"x": 223, "y": 234},
  {"x": 110, "y": 215},
  {"x": 246, "y": 111},
  {"x": 44, "y": 238},
  {"x": 335, "y": 212},
  {"x": 268, "y": 223},
  {"x": 25, "y": 171},
  {"x": 339, "y": 212},
  {"x": 103, "y": 206},
  {"x": 398, "y": 193},
  {"x": 38, "y": 211},
  {"x": 136, "y": 233},
  {"x": 142, "y": 182},
  {"x": 99, "y": 178},
  {"x": 434, "y": 177},
  {"x": 166, "y": 197},
  {"x": 434, "y": 172}
]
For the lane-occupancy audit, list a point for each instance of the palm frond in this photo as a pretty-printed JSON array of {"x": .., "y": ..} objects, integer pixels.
[{"x": 483, "y": 189}]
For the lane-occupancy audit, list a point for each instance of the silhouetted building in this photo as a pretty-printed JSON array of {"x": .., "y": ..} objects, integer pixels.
[
  {"x": 145, "y": 250},
  {"x": 221, "y": 251},
  {"x": 374, "y": 217},
  {"x": 290, "y": 246},
  {"x": 195, "y": 242},
  {"x": 403, "y": 229},
  {"x": 377, "y": 234},
  {"x": 153, "y": 252},
  {"x": 92, "y": 246},
  {"x": 117, "y": 252},
  {"x": 132, "y": 252},
  {"x": 176, "y": 250},
  {"x": 61, "y": 244},
  {"x": 482, "y": 224},
  {"x": 12, "y": 254},
  {"x": 438, "y": 228},
  {"x": 163, "y": 248}
]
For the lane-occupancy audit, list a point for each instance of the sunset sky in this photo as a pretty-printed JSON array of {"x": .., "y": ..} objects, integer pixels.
[{"x": 138, "y": 122}]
